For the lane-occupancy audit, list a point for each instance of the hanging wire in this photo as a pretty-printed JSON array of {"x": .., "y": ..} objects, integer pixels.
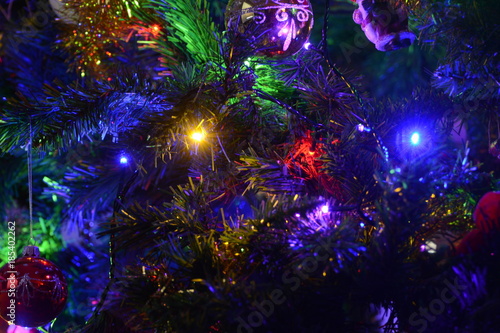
[
  {"x": 268, "y": 97},
  {"x": 30, "y": 181},
  {"x": 349, "y": 85},
  {"x": 332, "y": 67}
]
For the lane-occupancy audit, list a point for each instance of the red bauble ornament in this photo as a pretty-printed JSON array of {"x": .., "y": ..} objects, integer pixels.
[
  {"x": 487, "y": 212},
  {"x": 280, "y": 27},
  {"x": 20, "y": 329},
  {"x": 33, "y": 291},
  {"x": 384, "y": 25}
]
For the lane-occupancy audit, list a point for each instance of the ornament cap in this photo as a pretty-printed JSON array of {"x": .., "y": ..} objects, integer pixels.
[{"x": 31, "y": 251}]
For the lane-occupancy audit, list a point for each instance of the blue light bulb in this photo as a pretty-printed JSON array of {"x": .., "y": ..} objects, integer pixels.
[
  {"x": 415, "y": 138},
  {"x": 123, "y": 160}
]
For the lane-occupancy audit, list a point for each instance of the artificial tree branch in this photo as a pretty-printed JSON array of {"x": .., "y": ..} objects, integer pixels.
[
  {"x": 289, "y": 108},
  {"x": 117, "y": 206}
]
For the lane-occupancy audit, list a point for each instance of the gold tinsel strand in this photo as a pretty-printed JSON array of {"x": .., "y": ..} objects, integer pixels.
[{"x": 91, "y": 41}]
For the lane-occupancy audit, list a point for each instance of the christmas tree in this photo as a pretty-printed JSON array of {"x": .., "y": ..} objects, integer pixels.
[{"x": 251, "y": 165}]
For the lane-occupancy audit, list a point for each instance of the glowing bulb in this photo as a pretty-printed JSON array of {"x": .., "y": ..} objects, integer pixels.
[
  {"x": 198, "y": 136},
  {"x": 363, "y": 128},
  {"x": 307, "y": 45},
  {"x": 415, "y": 138},
  {"x": 430, "y": 246},
  {"x": 325, "y": 209},
  {"x": 123, "y": 160}
]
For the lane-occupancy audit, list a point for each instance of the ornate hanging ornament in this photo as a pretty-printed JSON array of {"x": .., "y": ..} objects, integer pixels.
[
  {"x": 495, "y": 148},
  {"x": 384, "y": 23},
  {"x": 280, "y": 27},
  {"x": 33, "y": 291},
  {"x": 64, "y": 12}
]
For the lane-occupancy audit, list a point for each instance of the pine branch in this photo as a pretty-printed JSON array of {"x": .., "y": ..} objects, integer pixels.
[
  {"x": 70, "y": 114},
  {"x": 190, "y": 28},
  {"x": 469, "y": 30}
]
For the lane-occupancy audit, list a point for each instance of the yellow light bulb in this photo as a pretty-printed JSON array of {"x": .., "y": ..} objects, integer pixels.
[{"x": 198, "y": 136}]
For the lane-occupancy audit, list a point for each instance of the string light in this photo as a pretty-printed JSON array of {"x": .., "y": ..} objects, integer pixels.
[
  {"x": 123, "y": 159},
  {"x": 362, "y": 128},
  {"x": 198, "y": 136},
  {"x": 415, "y": 138}
]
